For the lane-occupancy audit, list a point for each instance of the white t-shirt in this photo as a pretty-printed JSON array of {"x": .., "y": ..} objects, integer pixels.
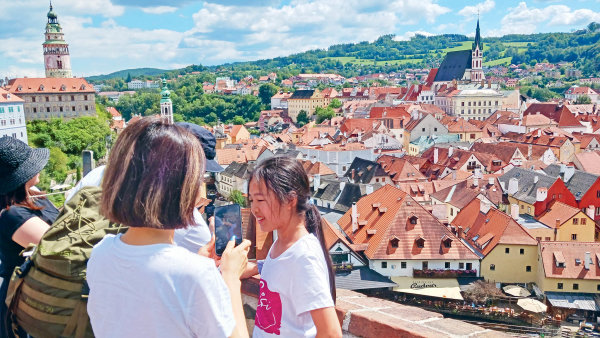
[
  {"x": 291, "y": 286},
  {"x": 192, "y": 238},
  {"x": 158, "y": 290}
]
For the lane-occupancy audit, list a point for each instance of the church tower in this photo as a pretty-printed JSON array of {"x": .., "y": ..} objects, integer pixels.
[
  {"x": 166, "y": 105},
  {"x": 56, "y": 50},
  {"x": 477, "y": 57}
]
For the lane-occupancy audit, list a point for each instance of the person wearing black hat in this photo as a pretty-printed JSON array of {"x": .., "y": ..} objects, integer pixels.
[{"x": 24, "y": 214}]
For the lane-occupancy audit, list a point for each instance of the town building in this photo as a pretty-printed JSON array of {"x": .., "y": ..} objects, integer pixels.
[
  {"x": 56, "y": 50},
  {"x": 234, "y": 177},
  {"x": 566, "y": 224},
  {"x": 47, "y": 98},
  {"x": 508, "y": 253},
  {"x": 308, "y": 100},
  {"x": 12, "y": 118},
  {"x": 166, "y": 105}
]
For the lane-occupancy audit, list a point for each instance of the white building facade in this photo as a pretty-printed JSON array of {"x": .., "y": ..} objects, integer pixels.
[{"x": 12, "y": 116}]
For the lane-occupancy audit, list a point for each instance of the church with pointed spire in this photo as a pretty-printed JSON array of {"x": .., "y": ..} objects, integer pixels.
[
  {"x": 57, "y": 60},
  {"x": 462, "y": 65}
]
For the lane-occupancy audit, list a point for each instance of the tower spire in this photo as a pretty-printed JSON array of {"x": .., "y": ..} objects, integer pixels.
[
  {"x": 477, "y": 41},
  {"x": 56, "y": 50}
]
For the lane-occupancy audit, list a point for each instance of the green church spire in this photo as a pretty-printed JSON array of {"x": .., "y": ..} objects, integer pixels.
[
  {"x": 477, "y": 41},
  {"x": 165, "y": 93}
]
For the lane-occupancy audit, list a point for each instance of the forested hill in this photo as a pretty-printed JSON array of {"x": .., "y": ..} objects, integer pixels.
[{"x": 387, "y": 54}]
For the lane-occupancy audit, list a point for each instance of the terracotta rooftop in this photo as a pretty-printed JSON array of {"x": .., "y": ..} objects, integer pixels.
[
  {"x": 316, "y": 168},
  {"x": 590, "y": 162},
  {"x": 483, "y": 231},
  {"x": 399, "y": 169},
  {"x": 460, "y": 125},
  {"x": 6, "y": 97},
  {"x": 570, "y": 253},
  {"x": 554, "y": 111},
  {"x": 389, "y": 224},
  {"x": 49, "y": 85},
  {"x": 379, "y": 112},
  {"x": 557, "y": 212}
]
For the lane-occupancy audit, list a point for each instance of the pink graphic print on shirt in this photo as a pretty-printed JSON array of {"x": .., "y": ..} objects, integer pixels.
[{"x": 268, "y": 311}]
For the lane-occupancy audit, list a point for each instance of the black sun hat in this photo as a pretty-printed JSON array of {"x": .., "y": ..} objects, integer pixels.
[
  {"x": 208, "y": 142},
  {"x": 19, "y": 163}
]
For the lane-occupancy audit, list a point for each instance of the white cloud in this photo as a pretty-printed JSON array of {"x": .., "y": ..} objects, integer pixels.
[
  {"x": 408, "y": 35},
  {"x": 159, "y": 10},
  {"x": 98, "y": 7},
  {"x": 16, "y": 71},
  {"x": 480, "y": 8},
  {"x": 525, "y": 20}
]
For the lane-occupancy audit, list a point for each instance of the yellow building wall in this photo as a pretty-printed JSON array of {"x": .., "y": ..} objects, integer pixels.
[
  {"x": 585, "y": 233},
  {"x": 551, "y": 284},
  {"x": 510, "y": 267},
  {"x": 542, "y": 234},
  {"x": 242, "y": 135},
  {"x": 524, "y": 208}
]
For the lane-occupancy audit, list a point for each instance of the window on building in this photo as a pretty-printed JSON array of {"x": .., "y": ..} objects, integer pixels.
[
  {"x": 86, "y": 108},
  {"x": 447, "y": 265},
  {"x": 528, "y": 210},
  {"x": 72, "y": 97},
  {"x": 598, "y": 193},
  {"x": 575, "y": 286},
  {"x": 522, "y": 206},
  {"x": 492, "y": 267},
  {"x": 462, "y": 103},
  {"x": 472, "y": 136},
  {"x": 522, "y": 251},
  {"x": 539, "y": 239},
  {"x": 435, "y": 129},
  {"x": 451, "y": 212},
  {"x": 384, "y": 265},
  {"x": 573, "y": 237},
  {"x": 10, "y": 109},
  {"x": 583, "y": 221},
  {"x": 461, "y": 266},
  {"x": 73, "y": 108},
  {"x": 528, "y": 268},
  {"x": 33, "y": 99},
  {"x": 35, "y": 110},
  {"x": 422, "y": 129},
  {"x": 559, "y": 286},
  {"x": 47, "y": 99},
  {"x": 598, "y": 287},
  {"x": 47, "y": 109},
  {"x": 425, "y": 265},
  {"x": 506, "y": 250},
  {"x": 547, "y": 239},
  {"x": 402, "y": 265},
  {"x": 575, "y": 221},
  {"x": 85, "y": 97},
  {"x": 60, "y": 108},
  {"x": 597, "y": 210}
]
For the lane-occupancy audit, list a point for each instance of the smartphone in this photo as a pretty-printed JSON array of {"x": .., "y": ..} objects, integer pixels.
[{"x": 228, "y": 223}]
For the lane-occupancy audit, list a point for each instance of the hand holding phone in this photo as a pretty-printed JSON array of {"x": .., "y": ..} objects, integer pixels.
[{"x": 228, "y": 223}]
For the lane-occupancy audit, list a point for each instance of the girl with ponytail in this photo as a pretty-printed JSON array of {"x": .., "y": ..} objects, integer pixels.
[{"x": 297, "y": 286}]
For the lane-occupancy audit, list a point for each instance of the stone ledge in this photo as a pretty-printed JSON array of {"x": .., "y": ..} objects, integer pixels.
[{"x": 364, "y": 316}]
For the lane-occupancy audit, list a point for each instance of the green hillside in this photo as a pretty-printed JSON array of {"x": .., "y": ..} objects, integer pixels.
[{"x": 124, "y": 73}]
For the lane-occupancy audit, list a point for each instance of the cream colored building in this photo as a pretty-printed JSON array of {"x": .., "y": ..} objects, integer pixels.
[
  {"x": 47, "y": 98},
  {"x": 307, "y": 100}
]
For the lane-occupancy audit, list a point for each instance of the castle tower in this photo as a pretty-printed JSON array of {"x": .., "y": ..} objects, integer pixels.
[
  {"x": 477, "y": 57},
  {"x": 56, "y": 50},
  {"x": 166, "y": 105}
]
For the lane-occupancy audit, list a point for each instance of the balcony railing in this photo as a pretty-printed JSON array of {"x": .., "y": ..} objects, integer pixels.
[
  {"x": 342, "y": 267},
  {"x": 444, "y": 273}
]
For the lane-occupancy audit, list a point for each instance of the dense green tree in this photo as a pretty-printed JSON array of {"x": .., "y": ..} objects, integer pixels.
[
  {"x": 335, "y": 103},
  {"x": 266, "y": 92},
  {"x": 57, "y": 164},
  {"x": 237, "y": 197},
  {"x": 302, "y": 118},
  {"x": 583, "y": 99},
  {"x": 324, "y": 114}
]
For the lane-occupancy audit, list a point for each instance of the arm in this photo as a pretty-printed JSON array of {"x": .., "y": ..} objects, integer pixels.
[
  {"x": 234, "y": 260},
  {"x": 251, "y": 270},
  {"x": 327, "y": 322},
  {"x": 30, "y": 232}
]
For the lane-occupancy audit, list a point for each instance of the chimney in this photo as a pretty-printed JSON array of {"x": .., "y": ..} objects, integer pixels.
[
  {"x": 513, "y": 186},
  {"x": 354, "y": 217},
  {"x": 491, "y": 181},
  {"x": 453, "y": 174},
  {"x": 590, "y": 211},
  {"x": 541, "y": 194},
  {"x": 369, "y": 189},
  {"x": 316, "y": 181},
  {"x": 557, "y": 223},
  {"x": 342, "y": 186},
  {"x": 587, "y": 261},
  {"x": 536, "y": 179},
  {"x": 352, "y": 174},
  {"x": 489, "y": 83},
  {"x": 484, "y": 206},
  {"x": 435, "y": 155},
  {"x": 450, "y": 151},
  {"x": 514, "y": 211},
  {"x": 529, "y": 151},
  {"x": 459, "y": 232}
]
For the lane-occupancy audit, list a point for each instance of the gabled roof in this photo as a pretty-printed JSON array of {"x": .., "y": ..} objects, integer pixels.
[
  {"x": 460, "y": 125},
  {"x": 454, "y": 65},
  {"x": 316, "y": 168},
  {"x": 527, "y": 189},
  {"x": 504, "y": 151},
  {"x": 399, "y": 169},
  {"x": 558, "y": 211},
  {"x": 6, "y": 96},
  {"x": 393, "y": 223},
  {"x": 483, "y": 231},
  {"x": 381, "y": 112},
  {"x": 239, "y": 170},
  {"x": 302, "y": 94},
  {"x": 113, "y": 112},
  {"x": 570, "y": 252},
  {"x": 578, "y": 184},
  {"x": 363, "y": 171},
  {"x": 590, "y": 162},
  {"x": 554, "y": 111},
  {"x": 458, "y": 195}
]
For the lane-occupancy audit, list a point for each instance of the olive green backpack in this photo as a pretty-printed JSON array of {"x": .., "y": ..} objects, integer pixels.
[{"x": 47, "y": 296}]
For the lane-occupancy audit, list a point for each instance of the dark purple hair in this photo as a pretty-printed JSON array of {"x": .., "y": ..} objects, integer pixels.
[{"x": 285, "y": 177}]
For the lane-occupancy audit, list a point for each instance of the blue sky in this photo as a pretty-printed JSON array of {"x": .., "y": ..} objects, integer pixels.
[{"x": 111, "y": 35}]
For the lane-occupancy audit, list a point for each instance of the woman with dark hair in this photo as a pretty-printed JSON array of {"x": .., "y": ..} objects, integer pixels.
[
  {"x": 24, "y": 214},
  {"x": 297, "y": 286},
  {"x": 141, "y": 283}
]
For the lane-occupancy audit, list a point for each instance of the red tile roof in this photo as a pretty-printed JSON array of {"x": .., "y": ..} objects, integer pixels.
[
  {"x": 379, "y": 112},
  {"x": 49, "y": 85},
  {"x": 554, "y": 111},
  {"x": 568, "y": 252},
  {"x": 113, "y": 112},
  {"x": 6, "y": 96},
  {"x": 399, "y": 169},
  {"x": 558, "y": 212},
  {"x": 391, "y": 220},
  {"x": 486, "y": 230}
]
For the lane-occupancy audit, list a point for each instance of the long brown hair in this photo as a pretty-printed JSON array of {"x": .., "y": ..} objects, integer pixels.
[
  {"x": 21, "y": 196},
  {"x": 284, "y": 177},
  {"x": 153, "y": 176}
]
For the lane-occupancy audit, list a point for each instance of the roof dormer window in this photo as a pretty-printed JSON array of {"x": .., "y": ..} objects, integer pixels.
[
  {"x": 413, "y": 220},
  {"x": 63, "y": 87},
  {"x": 394, "y": 242},
  {"x": 19, "y": 88},
  {"x": 420, "y": 241},
  {"x": 41, "y": 87},
  {"x": 447, "y": 241}
]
